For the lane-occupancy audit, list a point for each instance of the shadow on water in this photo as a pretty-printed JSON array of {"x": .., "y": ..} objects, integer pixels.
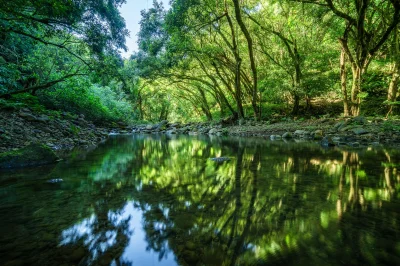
[{"x": 160, "y": 200}]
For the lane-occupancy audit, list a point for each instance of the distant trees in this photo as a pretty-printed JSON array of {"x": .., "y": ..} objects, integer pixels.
[{"x": 243, "y": 56}]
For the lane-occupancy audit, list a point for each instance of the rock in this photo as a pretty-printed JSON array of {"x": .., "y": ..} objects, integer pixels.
[
  {"x": 318, "y": 134},
  {"x": 55, "y": 180},
  {"x": 336, "y": 139},
  {"x": 359, "y": 131},
  {"x": 287, "y": 135},
  {"x": 171, "y": 131},
  {"x": 360, "y": 120},
  {"x": 220, "y": 159},
  {"x": 327, "y": 142},
  {"x": 31, "y": 155},
  {"x": 354, "y": 144},
  {"x": 27, "y": 116},
  {"x": 346, "y": 128},
  {"x": 275, "y": 137},
  {"x": 301, "y": 132},
  {"x": 43, "y": 118},
  {"x": 213, "y": 131},
  {"x": 162, "y": 125},
  {"x": 149, "y": 127},
  {"x": 339, "y": 125}
]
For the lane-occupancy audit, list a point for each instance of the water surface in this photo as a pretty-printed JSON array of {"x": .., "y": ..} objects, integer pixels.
[{"x": 159, "y": 200}]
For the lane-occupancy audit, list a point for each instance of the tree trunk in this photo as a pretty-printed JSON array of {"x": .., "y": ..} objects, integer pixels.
[
  {"x": 394, "y": 82},
  {"x": 238, "y": 90},
  {"x": 296, "y": 103},
  {"x": 393, "y": 87},
  {"x": 356, "y": 90},
  {"x": 249, "y": 40},
  {"x": 343, "y": 82}
]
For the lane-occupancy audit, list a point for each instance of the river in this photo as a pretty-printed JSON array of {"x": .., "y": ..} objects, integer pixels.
[{"x": 161, "y": 200}]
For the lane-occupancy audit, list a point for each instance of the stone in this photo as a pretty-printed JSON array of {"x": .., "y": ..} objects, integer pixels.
[
  {"x": 301, "y": 132},
  {"x": 171, "y": 132},
  {"x": 360, "y": 131},
  {"x": 43, "y": 118},
  {"x": 149, "y": 127},
  {"x": 327, "y": 142},
  {"x": 31, "y": 155},
  {"x": 287, "y": 135},
  {"x": 275, "y": 137},
  {"x": 339, "y": 124},
  {"x": 55, "y": 180},
  {"x": 318, "y": 134},
  {"x": 360, "y": 120},
  {"x": 162, "y": 125},
  {"x": 220, "y": 159},
  {"x": 27, "y": 116},
  {"x": 213, "y": 131},
  {"x": 354, "y": 144},
  {"x": 346, "y": 128}
]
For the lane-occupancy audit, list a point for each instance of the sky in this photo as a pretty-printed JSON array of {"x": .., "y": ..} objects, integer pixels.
[{"x": 131, "y": 13}]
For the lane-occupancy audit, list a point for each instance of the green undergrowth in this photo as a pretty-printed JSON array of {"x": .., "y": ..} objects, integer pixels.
[{"x": 98, "y": 104}]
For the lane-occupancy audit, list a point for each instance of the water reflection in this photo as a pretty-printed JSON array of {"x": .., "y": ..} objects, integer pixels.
[{"x": 147, "y": 200}]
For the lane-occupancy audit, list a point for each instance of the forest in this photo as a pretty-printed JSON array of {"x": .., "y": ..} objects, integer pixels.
[{"x": 203, "y": 60}]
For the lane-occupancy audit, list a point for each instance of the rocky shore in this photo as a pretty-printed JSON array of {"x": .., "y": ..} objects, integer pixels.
[
  {"x": 350, "y": 131},
  {"x": 63, "y": 132}
]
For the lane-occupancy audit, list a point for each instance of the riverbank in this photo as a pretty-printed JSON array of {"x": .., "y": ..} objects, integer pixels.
[
  {"x": 61, "y": 132},
  {"x": 349, "y": 131}
]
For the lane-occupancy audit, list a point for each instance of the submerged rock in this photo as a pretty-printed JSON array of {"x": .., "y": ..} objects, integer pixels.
[
  {"x": 31, "y": 155},
  {"x": 220, "y": 159},
  {"x": 55, "y": 180}
]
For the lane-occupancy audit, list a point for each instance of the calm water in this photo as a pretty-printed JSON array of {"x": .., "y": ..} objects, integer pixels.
[{"x": 157, "y": 200}]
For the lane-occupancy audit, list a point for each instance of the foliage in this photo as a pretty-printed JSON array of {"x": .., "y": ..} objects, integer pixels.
[{"x": 97, "y": 103}]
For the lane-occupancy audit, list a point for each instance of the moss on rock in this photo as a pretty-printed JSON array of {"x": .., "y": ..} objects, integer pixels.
[{"x": 31, "y": 155}]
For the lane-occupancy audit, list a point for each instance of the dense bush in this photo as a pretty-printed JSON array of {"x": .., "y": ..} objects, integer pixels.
[{"x": 97, "y": 103}]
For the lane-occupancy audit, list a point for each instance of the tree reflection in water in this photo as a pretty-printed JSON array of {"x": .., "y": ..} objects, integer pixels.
[{"x": 273, "y": 203}]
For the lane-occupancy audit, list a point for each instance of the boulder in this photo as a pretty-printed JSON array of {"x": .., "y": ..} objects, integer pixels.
[
  {"x": 301, "y": 132},
  {"x": 327, "y": 142},
  {"x": 318, "y": 134},
  {"x": 287, "y": 135},
  {"x": 171, "y": 131},
  {"x": 220, "y": 159},
  {"x": 275, "y": 137},
  {"x": 27, "y": 116},
  {"x": 31, "y": 155},
  {"x": 359, "y": 131},
  {"x": 339, "y": 125},
  {"x": 43, "y": 118},
  {"x": 162, "y": 125},
  {"x": 213, "y": 131}
]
